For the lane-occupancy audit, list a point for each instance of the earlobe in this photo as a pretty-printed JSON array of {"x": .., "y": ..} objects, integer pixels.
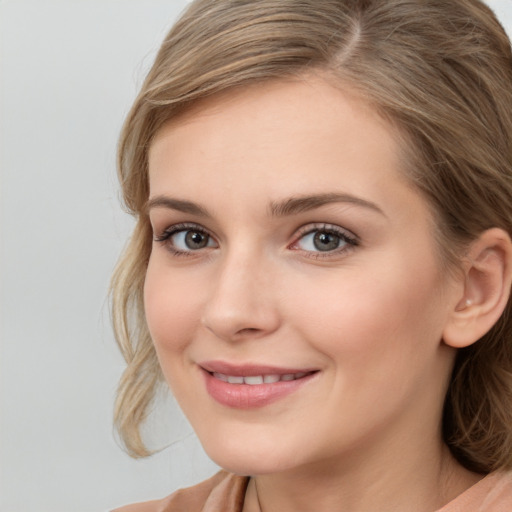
[{"x": 486, "y": 291}]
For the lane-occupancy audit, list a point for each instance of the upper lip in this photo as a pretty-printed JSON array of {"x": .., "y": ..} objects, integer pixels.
[{"x": 241, "y": 370}]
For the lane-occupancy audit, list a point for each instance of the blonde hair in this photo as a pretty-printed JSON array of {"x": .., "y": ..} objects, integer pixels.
[{"x": 440, "y": 71}]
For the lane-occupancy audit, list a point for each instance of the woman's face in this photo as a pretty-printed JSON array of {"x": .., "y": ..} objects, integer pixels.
[{"x": 294, "y": 292}]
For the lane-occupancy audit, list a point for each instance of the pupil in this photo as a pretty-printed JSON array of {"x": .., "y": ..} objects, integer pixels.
[
  {"x": 326, "y": 241},
  {"x": 196, "y": 240}
]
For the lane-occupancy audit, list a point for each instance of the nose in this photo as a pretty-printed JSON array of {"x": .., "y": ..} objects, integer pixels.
[{"x": 242, "y": 303}]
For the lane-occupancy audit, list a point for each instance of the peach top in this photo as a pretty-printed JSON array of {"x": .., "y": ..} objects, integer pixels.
[{"x": 225, "y": 492}]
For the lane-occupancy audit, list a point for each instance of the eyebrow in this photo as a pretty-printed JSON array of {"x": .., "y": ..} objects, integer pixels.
[
  {"x": 287, "y": 207},
  {"x": 176, "y": 204},
  {"x": 300, "y": 204}
]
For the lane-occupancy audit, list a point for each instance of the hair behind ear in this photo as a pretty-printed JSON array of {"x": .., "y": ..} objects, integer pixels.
[
  {"x": 478, "y": 409},
  {"x": 477, "y": 416}
]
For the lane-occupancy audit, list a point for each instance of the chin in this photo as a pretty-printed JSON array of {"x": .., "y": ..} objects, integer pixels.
[{"x": 251, "y": 458}]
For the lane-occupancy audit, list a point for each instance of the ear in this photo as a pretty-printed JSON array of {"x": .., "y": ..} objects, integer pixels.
[{"x": 486, "y": 289}]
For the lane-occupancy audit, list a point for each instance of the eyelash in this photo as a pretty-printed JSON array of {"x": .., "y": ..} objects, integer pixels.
[
  {"x": 345, "y": 236},
  {"x": 165, "y": 237}
]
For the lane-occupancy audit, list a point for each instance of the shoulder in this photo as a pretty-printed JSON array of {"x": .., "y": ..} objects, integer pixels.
[
  {"x": 491, "y": 494},
  {"x": 222, "y": 489}
]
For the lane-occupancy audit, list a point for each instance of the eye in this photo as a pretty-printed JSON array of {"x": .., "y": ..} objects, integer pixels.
[
  {"x": 190, "y": 240},
  {"x": 185, "y": 239},
  {"x": 325, "y": 239}
]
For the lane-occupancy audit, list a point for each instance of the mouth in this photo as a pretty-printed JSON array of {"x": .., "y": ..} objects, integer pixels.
[
  {"x": 251, "y": 386},
  {"x": 255, "y": 380}
]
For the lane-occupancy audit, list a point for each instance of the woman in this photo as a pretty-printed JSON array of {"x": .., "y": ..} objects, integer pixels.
[{"x": 322, "y": 262}]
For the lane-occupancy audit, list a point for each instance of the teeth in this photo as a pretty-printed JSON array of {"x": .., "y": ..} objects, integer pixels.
[
  {"x": 253, "y": 380},
  {"x": 257, "y": 379}
]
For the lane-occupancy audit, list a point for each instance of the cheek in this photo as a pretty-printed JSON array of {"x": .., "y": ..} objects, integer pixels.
[
  {"x": 380, "y": 335},
  {"x": 364, "y": 312},
  {"x": 172, "y": 307}
]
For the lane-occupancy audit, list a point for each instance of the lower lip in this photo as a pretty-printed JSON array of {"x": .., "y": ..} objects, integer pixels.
[{"x": 246, "y": 396}]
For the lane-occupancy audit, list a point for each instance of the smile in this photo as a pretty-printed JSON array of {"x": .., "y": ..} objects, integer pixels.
[
  {"x": 249, "y": 387},
  {"x": 254, "y": 380}
]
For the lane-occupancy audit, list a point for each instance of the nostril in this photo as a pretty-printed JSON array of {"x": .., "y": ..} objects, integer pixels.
[{"x": 247, "y": 330}]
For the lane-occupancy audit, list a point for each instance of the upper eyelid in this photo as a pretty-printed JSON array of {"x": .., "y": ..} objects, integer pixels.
[
  {"x": 326, "y": 226},
  {"x": 182, "y": 226}
]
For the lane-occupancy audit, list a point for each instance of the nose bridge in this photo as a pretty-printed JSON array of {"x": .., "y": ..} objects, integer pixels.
[{"x": 241, "y": 300}]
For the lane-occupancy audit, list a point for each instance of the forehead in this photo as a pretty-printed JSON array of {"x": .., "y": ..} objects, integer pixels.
[
  {"x": 274, "y": 139},
  {"x": 304, "y": 107}
]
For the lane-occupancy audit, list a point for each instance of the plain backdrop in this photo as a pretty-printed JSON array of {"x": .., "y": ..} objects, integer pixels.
[{"x": 69, "y": 70}]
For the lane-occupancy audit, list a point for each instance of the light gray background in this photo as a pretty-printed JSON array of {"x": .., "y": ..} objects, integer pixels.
[{"x": 69, "y": 70}]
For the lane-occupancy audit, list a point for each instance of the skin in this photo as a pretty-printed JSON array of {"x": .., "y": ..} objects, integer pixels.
[{"x": 364, "y": 433}]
